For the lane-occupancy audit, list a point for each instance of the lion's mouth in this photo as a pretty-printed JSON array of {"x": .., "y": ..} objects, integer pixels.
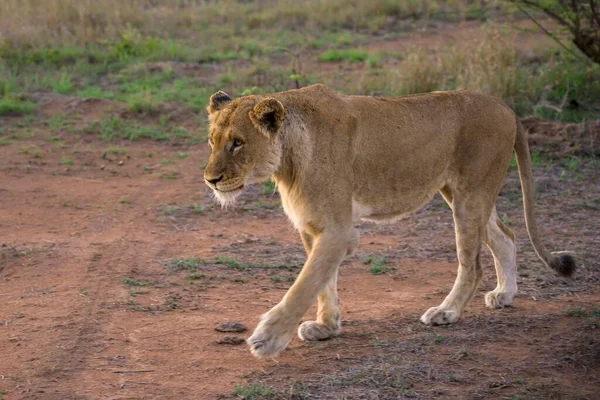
[
  {"x": 228, "y": 195},
  {"x": 228, "y": 190}
]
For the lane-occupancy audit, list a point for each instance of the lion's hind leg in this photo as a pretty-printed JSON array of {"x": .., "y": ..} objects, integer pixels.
[
  {"x": 470, "y": 217},
  {"x": 328, "y": 322},
  {"x": 501, "y": 241}
]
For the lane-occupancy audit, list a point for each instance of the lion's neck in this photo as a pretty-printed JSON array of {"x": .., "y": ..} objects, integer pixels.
[{"x": 294, "y": 147}]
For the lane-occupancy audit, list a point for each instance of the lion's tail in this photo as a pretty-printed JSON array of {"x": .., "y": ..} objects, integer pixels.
[{"x": 562, "y": 263}]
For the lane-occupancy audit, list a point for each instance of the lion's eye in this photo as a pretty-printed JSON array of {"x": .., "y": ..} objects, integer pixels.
[{"x": 236, "y": 143}]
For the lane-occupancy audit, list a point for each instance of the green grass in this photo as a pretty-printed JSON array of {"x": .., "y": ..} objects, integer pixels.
[
  {"x": 340, "y": 38},
  {"x": 537, "y": 159},
  {"x": 352, "y": 55},
  {"x": 169, "y": 209},
  {"x": 197, "y": 208},
  {"x": 15, "y": 105},
  {"x": 190, "y": 264},
  {"x": 244, "y": 266},
  {"x": 136, "y": 292},
  {"x": 114, "y": 150},
  {"x": 170, "y": 175},
  {"x": 107, "y": 71},
  {"x": 563, "y": 80},
  {"x": 132, "y": 305},
  {"x": 377, "y": 265},
  {"x": 268, "y": 187},
  {"x": 196, "y": 276},
  {"x": 170, "y": 303},
  {"x": 230, "y": 262},
  {"x": 62, "y": 84},
  {"x": 571, "y": 163},
  {"x": 134, "y": 282},
  {"x": 254, "y": 391},
  {"x": 65, "y": 160},
  {"x": 58, "y": 122},
  {"x": 114, "y": 127},
  {"x": 32, "y": 151},
  {"x": 146, "y": 91},
  {"x": 372, "y": 59},
  {"x": 281, "y": 278},
  {"x": 582, "y": 312}
]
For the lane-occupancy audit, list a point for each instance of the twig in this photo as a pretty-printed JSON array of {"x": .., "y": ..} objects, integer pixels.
[
  {"x": 547, "y": 32},
  {"x": 544, "y": 9}
]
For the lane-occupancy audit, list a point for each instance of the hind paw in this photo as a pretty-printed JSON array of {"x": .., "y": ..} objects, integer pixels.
[
  {"x": 498, "y": 299},
  {"x": 440, "y": 316},
  {"x": 313, "y": 330}
]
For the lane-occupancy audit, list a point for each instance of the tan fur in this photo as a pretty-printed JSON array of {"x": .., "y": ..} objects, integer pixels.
[{"x": 337, "y": 158}]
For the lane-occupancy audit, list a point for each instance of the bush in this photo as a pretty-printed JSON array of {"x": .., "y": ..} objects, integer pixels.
[{"x": 581, "y": 18}]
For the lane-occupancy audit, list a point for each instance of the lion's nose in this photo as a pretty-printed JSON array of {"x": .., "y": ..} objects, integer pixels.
[{"x": 215, "y": 180}]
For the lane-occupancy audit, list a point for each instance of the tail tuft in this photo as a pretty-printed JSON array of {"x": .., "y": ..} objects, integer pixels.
[{"x": 564, "y": 265}]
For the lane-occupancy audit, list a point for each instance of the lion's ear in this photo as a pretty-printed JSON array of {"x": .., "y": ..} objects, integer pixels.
[
  {"x": 217, "y": 101},
  {"x": 267, "y": 116}
]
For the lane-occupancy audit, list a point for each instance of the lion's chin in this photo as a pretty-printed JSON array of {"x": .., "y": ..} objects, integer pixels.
[{"x": 228, "y": 198}]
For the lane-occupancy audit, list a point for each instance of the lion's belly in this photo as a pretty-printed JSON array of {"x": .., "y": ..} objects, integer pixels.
[{"x": 390, "y": 207}]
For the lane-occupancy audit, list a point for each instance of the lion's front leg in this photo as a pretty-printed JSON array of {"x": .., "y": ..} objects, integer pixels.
[{"x": 277, "y": 326}]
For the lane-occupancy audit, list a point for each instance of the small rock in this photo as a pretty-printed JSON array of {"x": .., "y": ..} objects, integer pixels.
[
  {"x": 121, "y": 162},
  {"x": 230, "y": 340},
  {"x": 102, "y": 166},
  {"x": 231, "y": 326}
]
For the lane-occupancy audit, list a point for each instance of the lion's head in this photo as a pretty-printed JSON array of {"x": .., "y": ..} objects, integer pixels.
[{"x": 242, "y": 138}]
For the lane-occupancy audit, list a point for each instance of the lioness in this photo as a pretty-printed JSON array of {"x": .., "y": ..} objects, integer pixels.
[{"x": 336, "y": 159}]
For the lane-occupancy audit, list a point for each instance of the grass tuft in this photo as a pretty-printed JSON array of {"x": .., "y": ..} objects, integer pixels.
[
  {"x": 576, "y": 312},
  {"x": 190, "y": 264},
  {"x": 254, "y": 391},
  {"x": 15, "y": 105},
  {"x": 134, "y": 282},
  {"x": 352, "y": 55},
  {"x": 377, "y": 265}
]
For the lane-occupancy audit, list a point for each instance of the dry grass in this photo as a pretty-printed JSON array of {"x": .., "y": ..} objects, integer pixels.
[
  {"x": 487, "y": 64},
  {"x": 46, "y": 22}
]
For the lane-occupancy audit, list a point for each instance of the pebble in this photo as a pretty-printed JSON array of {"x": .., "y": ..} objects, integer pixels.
[
  {"x": 230, "y": 340},
  {"x": 231, "y": 326}
]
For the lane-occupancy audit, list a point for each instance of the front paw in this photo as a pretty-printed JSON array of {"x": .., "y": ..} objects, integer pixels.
[
  {"x": 271, "y": 336},
  {"x": 313, "y": 331},
  {"x": 439, "y": 316}
]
